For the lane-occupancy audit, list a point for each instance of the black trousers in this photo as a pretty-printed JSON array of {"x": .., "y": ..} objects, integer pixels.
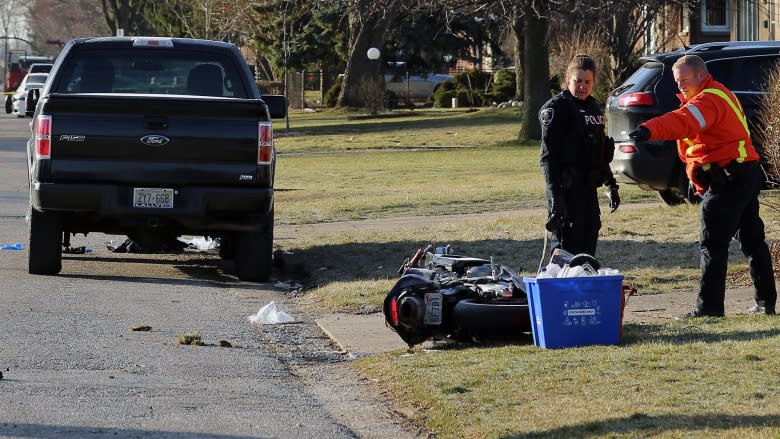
[
  {"x": 729, "y": 209},
  {"x": 581, "y": 233}
]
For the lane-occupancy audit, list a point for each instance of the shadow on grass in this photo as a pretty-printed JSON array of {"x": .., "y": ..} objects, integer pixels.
[
  {"x": 642, "y": 425},
  {"x": 460, "y": 120},
  {"x": 370, "y": 260},
  {"x": 699, "y": 330}
]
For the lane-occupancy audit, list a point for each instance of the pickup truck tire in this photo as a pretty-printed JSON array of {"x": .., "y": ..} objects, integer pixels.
[
  {"x": 227, "y": 246},
  {"x": 45, "y": 251},
  {"x": 254, "y": 252}
]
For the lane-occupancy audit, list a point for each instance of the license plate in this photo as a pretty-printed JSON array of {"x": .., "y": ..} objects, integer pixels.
[
  {"x": 157, "y": 198},
  {"x": 432, "y": 309}
]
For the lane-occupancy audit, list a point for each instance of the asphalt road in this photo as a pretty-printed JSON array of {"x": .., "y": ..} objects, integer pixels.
[{"x": 72, "y": 366}]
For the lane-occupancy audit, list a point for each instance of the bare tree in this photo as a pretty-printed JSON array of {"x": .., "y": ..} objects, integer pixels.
[
  {"x": 209, "y": 19},
  {"x": 13, "y": 15},
  {"x": 536, "y": 68},
  {"x": 368, "y": 22},
  {"x": 127, "y": 15},
  {"x": 62, "y": 20}
]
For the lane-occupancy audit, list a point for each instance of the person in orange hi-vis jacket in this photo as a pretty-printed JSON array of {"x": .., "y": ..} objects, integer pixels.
[{"x": 713, "y": 140}]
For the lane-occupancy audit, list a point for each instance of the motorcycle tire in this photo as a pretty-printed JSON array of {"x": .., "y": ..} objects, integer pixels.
[{"x": 474, "y": 319}]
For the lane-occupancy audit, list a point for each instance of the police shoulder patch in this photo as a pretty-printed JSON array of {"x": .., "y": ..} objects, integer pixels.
[{"x": 546, "y": 115}]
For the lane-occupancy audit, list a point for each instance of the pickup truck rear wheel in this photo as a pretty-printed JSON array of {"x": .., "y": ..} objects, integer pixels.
[
  {"x": 45, "y": 251},
  {"x": 227, "y": 246},
  {"x": 254, "y": 251}
]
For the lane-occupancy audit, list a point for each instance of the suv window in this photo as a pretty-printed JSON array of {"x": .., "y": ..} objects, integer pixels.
[
  {"x": 645, "y": 77},
  {"x": 756, "y": 82},
  {"x": 721, "y": 70},
  {"x": 153, "y": 71}
]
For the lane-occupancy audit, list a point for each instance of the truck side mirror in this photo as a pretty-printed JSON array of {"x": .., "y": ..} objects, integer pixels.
[
  {"x": 32, "y": 100},
  {"x": 277, "y": 105}
]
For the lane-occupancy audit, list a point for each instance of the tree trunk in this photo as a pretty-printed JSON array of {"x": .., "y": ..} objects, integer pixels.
[
  {"x": 519, "y": 56},
  {"x": 537, "y": 74},
  {"x": 367, "y": 31}
]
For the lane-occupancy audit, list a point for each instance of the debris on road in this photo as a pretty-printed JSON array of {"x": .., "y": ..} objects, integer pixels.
[
  {"x": 201, "y": 243},
  {"x": 191, "y": 338},
  {"x": 76, "y": 250},
  {"x": 269, "y": 315}
]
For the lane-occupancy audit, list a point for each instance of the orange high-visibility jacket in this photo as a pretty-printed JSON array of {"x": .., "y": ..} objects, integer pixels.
[{"x": 710, "y": 127}]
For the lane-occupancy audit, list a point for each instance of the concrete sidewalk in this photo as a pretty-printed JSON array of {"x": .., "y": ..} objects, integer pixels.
[{"x": 362, "y": 335}]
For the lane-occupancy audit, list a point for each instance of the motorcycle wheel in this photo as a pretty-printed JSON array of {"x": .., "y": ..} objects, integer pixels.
[{"x": 475, "y": 319}]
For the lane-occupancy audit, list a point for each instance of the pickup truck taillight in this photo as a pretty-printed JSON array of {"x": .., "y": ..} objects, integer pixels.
[
  {"x": 265, "y": 143},
  {"x": 43, "y": 137}
]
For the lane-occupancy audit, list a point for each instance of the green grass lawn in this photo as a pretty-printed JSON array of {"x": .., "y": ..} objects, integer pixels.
[{"x": 708, "y": 378}]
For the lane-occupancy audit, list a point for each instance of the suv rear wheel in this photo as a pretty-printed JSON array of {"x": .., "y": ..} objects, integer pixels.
[
  {"x": 671, "y": 197},
  {"x": 680, "y": 194}
]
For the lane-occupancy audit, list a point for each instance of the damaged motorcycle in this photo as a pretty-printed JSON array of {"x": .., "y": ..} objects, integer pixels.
[{"x": 441, "y": 295}]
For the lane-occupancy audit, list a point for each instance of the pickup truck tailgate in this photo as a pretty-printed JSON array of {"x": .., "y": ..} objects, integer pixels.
[{"x": 186, "y": 140}]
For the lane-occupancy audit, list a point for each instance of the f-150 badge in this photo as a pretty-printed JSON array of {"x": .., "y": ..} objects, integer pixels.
[
  {"x": 71, "y": 138},
  {"x": 154, "y": 140}
]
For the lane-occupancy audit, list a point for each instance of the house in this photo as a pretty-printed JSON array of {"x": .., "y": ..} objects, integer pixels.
[{"x": 713, "y": 20}]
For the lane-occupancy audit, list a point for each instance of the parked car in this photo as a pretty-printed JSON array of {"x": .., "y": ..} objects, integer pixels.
[
  {"x": 14, "y": 103},
  {"x": 414, "y": 87},
  {"x": 40, "y": 68},
  {"x": 650, "y": 91}
]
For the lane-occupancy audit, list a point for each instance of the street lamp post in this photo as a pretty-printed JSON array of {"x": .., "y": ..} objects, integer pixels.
[{"x": 373, "y": 54}]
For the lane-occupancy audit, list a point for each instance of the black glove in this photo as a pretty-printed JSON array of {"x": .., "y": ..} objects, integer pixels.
[
  {"x": 613, "y": 196},
  {"x": 640, "y": 134},
  {"x": 558, "y": 215},
  {"x": 692, "y": 195}
]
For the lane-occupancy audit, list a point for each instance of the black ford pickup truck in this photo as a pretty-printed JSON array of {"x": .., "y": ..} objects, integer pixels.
[{"x": 152, "y": 138}]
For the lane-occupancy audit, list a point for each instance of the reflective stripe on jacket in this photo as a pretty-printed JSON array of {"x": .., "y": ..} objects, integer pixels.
[{"x": 710, "y": 127}]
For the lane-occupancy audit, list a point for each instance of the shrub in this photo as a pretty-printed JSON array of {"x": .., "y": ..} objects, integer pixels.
[
  {"x": 443, "y": 98},
  {"x": 271, "y": 87},
  {"x": 332, "y": 95},
  {"x": 472, "y": 79},
  {"x": 468, "y": 87},
  {"x": 372, "y": 93},
  {"x": 504, "y": 85},
  {"x": 767, "y": 135},
  {"x": 391, "y": 100}
]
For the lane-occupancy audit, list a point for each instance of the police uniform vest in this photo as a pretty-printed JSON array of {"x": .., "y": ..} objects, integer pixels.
[{"x": 573, "y": 140}]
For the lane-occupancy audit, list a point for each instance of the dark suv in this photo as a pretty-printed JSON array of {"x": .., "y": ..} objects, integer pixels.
[{"x": 650, "y": 91}]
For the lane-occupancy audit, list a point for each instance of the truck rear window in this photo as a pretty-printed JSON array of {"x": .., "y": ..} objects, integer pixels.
[{"x": 151, "y": 71}]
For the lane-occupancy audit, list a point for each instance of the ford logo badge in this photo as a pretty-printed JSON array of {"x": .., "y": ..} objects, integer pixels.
[{"x": 154, "y": 140}]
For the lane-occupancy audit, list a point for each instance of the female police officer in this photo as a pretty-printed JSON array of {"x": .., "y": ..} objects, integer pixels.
[{"x": 575, "y": 156}]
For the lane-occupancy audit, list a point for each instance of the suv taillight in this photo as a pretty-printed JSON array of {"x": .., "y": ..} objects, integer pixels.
[
  {"x": 265, "y": 143},
  {"x": 641, "y": 99},
  {"x": 43, "y": 137}
]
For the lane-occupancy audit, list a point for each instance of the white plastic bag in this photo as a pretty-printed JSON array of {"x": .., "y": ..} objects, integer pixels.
[
  {"x": 269, "y": 315},
  {"x": 201, "y": 243}
]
